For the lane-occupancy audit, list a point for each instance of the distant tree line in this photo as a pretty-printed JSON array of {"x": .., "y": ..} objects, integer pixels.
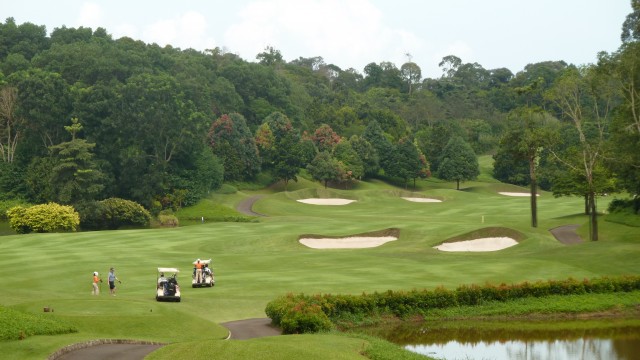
[{"x": 85, "y": 117}]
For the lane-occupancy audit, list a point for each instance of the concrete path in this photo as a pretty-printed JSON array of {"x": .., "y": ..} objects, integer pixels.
[
  {"x": 111, "y": 352},
  {"x": 251, "y": 328},
  {"x": 567, "y": 234},
  {"x": 246, "y": 206}
]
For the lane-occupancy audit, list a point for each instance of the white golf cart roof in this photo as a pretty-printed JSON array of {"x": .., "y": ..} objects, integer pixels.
[
  {"x": 168, "y": 270},
  {"x": 202, "y": 261}
]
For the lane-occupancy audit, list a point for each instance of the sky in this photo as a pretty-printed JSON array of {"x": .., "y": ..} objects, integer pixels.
[{"x": 353, "y": 33}]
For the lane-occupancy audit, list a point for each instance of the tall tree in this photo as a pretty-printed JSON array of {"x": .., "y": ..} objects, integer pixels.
[
  {"x": 325, "y": 168},
  {"x": 9, "y": 123},
  {"x": 458, "y": 162},
  {"x": 530, "y": 131},
  {"x": 586, "y": 97},
  {"x": 231, "y": 140},
  {"x": 285, "y": 154},
  {"x": 75, "y": 177}
]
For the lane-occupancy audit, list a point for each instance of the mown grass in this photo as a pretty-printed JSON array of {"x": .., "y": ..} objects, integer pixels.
[
  {"x": 258, "y": 261},
  {"x": 18, "y": 325}
]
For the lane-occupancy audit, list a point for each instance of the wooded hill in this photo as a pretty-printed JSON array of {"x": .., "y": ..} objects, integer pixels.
[{"x": 85, "y": 117}]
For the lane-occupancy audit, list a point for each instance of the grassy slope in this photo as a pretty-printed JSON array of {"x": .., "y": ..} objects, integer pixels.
[{"x": 255, "y": 262}]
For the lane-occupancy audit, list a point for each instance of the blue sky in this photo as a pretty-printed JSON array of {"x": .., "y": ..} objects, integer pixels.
[{"x": 353, "y": 33}]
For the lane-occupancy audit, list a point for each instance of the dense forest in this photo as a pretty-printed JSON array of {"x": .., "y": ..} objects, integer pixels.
[{"x": 85, "y": 117}]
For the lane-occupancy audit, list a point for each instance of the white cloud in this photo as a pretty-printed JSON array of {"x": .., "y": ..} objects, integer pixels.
[
  {"x": 343, "y": 32},
  {"x": 90, "y": 15},
  {"x": 188, "y": 30}
]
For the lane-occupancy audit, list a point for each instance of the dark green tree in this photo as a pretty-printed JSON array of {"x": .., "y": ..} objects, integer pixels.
[
  {"x": 231, "y": 140},
  {"x": 325, "y": 168},
  {"x": 458, "y": 162},
  {"x": 75, "y": 177}
]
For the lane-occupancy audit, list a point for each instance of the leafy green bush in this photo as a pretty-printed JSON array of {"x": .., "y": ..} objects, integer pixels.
[
  {"x": 17, "y": 325},
  {"x": 302, "y": 313},
  {"x": 43, "y": 218},
  {"x": 8, "y": 204},
  {"x": 112, "y": 213}
]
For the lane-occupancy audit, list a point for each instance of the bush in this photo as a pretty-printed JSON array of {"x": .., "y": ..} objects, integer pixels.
[
  {"x": 5, "y": 205},
  {"x": 43, "y": 218},
  {"x": 112, "y": 213},
  {"x": 300, "y": 313},
  {"x": 168, "y": 220}
]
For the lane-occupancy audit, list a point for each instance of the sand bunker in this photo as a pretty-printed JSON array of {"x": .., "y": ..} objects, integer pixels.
[
  {"x": 423, "y": 200},
  {"x": 516, "y": 194},
  {"x": 347, "y": 242},
  {"x": 478, "y": 245},
  {"x": 315, "y": 201}
]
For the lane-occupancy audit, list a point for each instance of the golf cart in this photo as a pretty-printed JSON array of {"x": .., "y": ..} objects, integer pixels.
[
  {"x": 205, "y": 278},
  {"x": 167, "y": 288}
]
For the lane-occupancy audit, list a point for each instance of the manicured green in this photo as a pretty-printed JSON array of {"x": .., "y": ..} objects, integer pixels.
[{"x": 255, "y": 262}]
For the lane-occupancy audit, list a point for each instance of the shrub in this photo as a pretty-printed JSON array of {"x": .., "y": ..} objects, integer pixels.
[
  {"x": 300, "y": 313},
  {"x": 112, "y": 213},
  {"x": 43, "y": 218},
  {"x": 168, "y": 220},
  {"x": 304, "y": 317},
  {"x": 5, "y": 205}
]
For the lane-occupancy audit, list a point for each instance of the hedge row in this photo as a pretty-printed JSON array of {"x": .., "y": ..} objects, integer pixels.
[{"x": 311, "y": 313}]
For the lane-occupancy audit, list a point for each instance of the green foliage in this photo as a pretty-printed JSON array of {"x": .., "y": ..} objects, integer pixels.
[
  {"x": 168, "y": 220},
  {"x": 294, "y": 315},
  {"x": 5, "y": 205},
  {"x": 403, "y": 303},
  {"x": 458, "y": 162},
  {"x": 17, "y": 325},
  {"x": 42, "y": 218},
  {"x": 112, "y": 213}
]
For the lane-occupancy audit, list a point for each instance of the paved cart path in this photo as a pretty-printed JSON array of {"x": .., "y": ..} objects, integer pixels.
[
  {"x": 567, "y": 234},
  {"x": 246, "y": 205}
]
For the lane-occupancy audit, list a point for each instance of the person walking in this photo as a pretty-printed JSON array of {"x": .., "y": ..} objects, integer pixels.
[
  {"x": 112, "y": 281},
  {"x": 96, "y": 280}
]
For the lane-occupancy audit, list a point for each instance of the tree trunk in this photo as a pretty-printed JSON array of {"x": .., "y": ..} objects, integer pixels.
[
  {"x": 534, "y": 193},
  {"x": 457, "y": 184},
  {"x": 593, "y": 217},
  {"x": 586, "y": 204}
]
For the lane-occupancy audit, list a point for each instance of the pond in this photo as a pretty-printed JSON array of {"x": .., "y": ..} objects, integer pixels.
[{"x": 615, "y": 339}]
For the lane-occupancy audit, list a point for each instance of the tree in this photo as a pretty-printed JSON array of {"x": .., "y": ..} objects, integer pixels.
[
  {"x": 9, "y": 123},
  {"x": 530, "y": 131},
  {"x": 367, "y": 154},
  {"x": 411, "y": 74},
  {"x": 351, "y": 161},
  {"x": 375, "y": 136},
  {"x": 74, "y": 177},
  {"x": 586, "y": 97},
  {"x": 284, "y": 153},
  {"x": 458, "y": 162},
  {"x": 325, "y": 138},
  {"x": 231, "y": 140},
  {"x": 631, "y": 25},
  {"x": 406, "y": 163},
  {"x": 325, "y": 168}
]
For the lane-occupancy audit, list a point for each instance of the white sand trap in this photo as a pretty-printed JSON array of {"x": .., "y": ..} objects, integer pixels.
[
  {"x": 477, "y": 245},
  {"x": 422, "y": 200},
  {"x": 315, "y": 201},
  {"x": 347, "y": 242},
  {"x": 516, "y": 194}
]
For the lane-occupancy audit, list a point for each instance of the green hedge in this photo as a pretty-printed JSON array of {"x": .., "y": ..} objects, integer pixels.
[{"x": 303, "y": 313}]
